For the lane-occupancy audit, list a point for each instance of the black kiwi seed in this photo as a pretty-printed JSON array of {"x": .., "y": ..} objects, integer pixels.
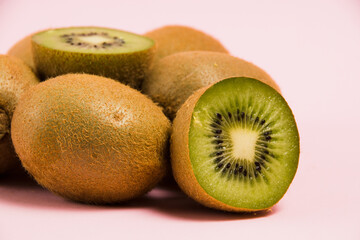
[
  {"x": 217, "y": 131},
  {"x": 71, "y": 39},
  {"x": 257, "y": 166},
  {"x": 267, "y": 133},
  {"x": 222, "y": 160},
  {"x": 217, "y": 141}
]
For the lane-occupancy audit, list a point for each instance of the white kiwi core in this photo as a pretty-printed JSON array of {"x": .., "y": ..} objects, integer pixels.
[{"x": 243, "y": 142}]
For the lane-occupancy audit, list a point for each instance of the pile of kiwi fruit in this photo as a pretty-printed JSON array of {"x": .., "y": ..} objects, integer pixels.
[{"x": 101, "y": 116}]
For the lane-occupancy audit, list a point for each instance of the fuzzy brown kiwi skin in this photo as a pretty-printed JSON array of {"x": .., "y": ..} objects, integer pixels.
[
  {"x": 22, "y": 49},
  {"x": 180, "y": 159},
  {"x": 91, "y": 139},
  {"x": 127, "y": 68},
  {"x": 174, "y": 78},
  {"x": 15, "y": 78},
  {"x": 175, "y": 38},
  {"x": 8, "y": 158}
]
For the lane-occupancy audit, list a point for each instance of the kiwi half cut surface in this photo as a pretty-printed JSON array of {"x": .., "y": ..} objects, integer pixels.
[
  {"x": 112, "y": 53},
  {"x": 235, "y": 145}
]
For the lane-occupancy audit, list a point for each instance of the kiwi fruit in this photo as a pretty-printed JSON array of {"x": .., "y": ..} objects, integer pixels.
[
  {"x": 111, "y": 53},
  {"x": 173, "y": 38},
  {"x": 174, "y": 78},
  {"x": 22, "y": 50},
  {"x": 91, "y": 139},
  {"x": 15, "y": 78},
  {"x": 235, "y": 146}
]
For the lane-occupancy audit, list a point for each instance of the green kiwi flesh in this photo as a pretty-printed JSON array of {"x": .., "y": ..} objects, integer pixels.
[
  {"x": 112, "y": 53},
  {"x": 243, "y": 143}
]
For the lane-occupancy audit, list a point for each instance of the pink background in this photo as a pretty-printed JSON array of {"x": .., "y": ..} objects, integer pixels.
[{"x": 311, "y": 48}]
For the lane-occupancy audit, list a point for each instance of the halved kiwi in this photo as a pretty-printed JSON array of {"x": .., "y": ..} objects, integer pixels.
[
  {"x": 235, "y": 145},
  {"x": 112, "y": 53}
]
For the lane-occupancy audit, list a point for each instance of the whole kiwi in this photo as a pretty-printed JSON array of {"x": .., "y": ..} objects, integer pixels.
[
  {"x": 22, "y": 49},
  {"x": 174, "y": 38},
  {"x": 15, "y": 78},
  {"x": 90, "y": 138},
  {"x": 174, "y": 78}
]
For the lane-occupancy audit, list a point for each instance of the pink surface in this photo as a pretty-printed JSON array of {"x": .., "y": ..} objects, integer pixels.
[{"x": 311, "y": 48}]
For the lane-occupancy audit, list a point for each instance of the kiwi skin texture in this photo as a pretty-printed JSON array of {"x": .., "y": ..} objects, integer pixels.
[
  {"x": 128, "y": 68},
  {"x": 180, "y": 159},
  {"x": 174, "y": 38},
  {"x": 22, "y": 50},
  {"x": 15, "y": 78},
  {"x": 91, "y": 139},
  {"x": 174, "y": 78}
]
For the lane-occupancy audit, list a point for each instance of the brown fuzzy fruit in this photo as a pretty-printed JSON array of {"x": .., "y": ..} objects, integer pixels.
[
  {"x": 174, "y": 78},
  {"x": 173, "y": 39},
  {"x": 90, "y": 138},
  {"x": 15, "y": 78},
  {"x": 22, "y": 50}
]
